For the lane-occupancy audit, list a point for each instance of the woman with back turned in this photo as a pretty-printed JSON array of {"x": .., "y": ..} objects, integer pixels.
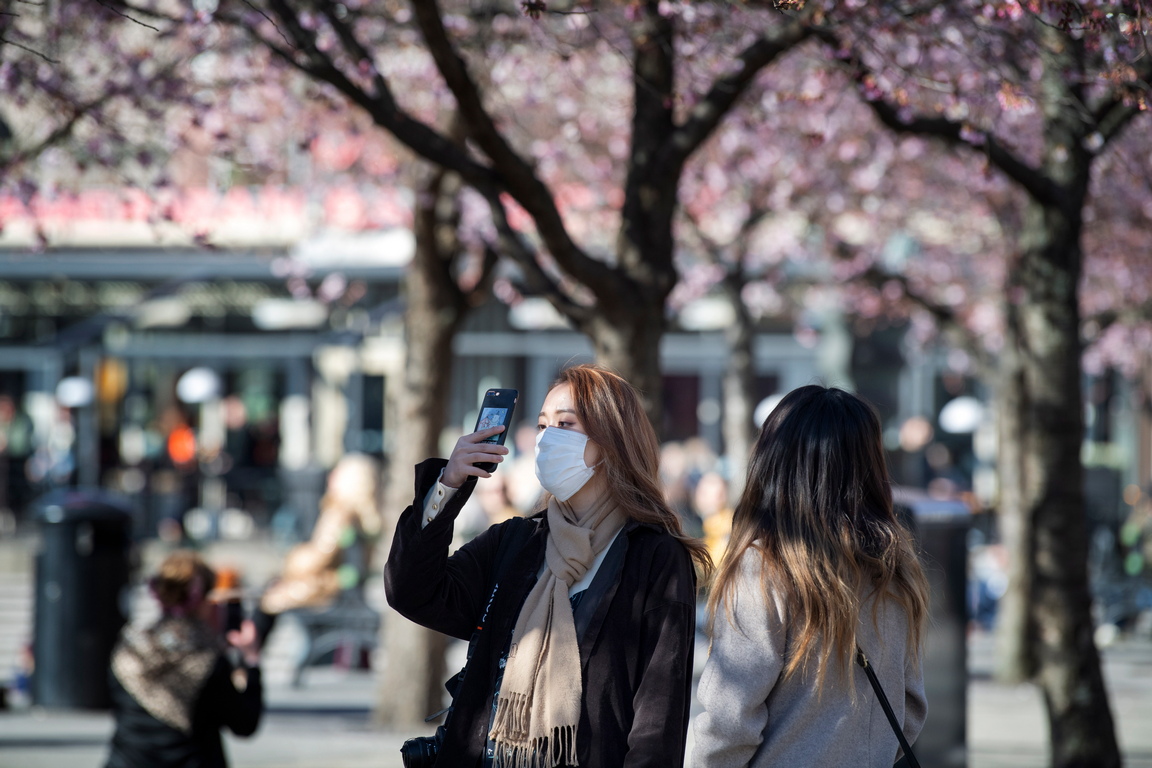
[{"x": 817, "y": 565}]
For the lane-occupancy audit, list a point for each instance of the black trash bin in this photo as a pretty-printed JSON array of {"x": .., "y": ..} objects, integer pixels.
[
  {"x": 82, "y": 570},
  {"x": 941, "y": 527}
]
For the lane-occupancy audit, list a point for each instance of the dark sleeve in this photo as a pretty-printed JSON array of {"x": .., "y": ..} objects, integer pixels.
[
  {"x": 426, "y": 585},
  {"x": 667, "y": 635},
  {"x": 240, "y": 711}
]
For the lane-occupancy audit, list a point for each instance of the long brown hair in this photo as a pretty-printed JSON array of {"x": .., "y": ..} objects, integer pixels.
[
  {"x": 614, "y": 418},
  {"x": 817, "y": 508}
]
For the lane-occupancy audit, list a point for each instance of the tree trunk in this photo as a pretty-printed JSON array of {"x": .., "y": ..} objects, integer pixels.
[
  {"x": 627, "y": 340},
  {"x": 1014, "y": 661},
  {"x": 739, "y": 391},
  {"x": 411, "y": 685},
  {"x": 1067, "y": 663}
]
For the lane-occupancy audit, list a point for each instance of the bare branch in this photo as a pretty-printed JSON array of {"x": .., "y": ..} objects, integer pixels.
[
  {"x": 1033, "y": 180},
  {"x": 269, "y": 19},
  {"x": 516, "y": 175},
  {"x": 381, "y": 105},
  {"x": 525, "y": 256},
  {"x": 32, "y": 51},
  {"x": 130, "y": 18},
  {"x": 124, "y": 8},
  {"x": 724, "y": 93},
  {"x": 1115, "y": 112}
]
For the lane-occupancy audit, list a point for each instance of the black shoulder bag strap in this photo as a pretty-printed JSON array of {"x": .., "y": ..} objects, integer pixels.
[{"x": 862, "y": 660}]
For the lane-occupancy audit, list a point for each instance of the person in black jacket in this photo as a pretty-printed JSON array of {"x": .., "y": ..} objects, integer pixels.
[
  {"x": 172, "y": 683},
  {"x": 581, "y": 617}
]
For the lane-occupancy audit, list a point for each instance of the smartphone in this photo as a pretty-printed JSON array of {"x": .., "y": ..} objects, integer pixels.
[
  {"x": 233, "y": 615},
  {"x": 496, "y": 409}
]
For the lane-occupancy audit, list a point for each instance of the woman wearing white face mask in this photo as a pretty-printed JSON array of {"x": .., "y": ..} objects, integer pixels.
[{"x": 582, "y": 616}]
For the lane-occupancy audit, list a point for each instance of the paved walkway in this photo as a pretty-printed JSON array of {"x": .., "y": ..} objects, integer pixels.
[
  {"x": 1007, "y": 726},
  {"x": 327, "y": 723}
]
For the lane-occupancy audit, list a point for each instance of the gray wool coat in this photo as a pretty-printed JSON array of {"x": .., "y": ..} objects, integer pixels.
[{"x": 752, "y": 717}]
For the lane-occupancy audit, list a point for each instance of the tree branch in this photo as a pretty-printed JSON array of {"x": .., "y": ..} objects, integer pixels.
[
  {"x": 710, "y": 111},
  {"x": 715, "y": 250},
  {"x": 944, "y": 316},
  {"x": 1128, "y": 315},
  {"x": 27, "y": 49},
  {"x": 57, "y": 136},
  {"x": 127, "y": 16},
  {"x": 538, "y": 280},
  {"x": 517, "y": 176},
  {"x": 1115, "y": 112},
  {"x": 63, "y": 131},
  {"x": 381, "y": 104},
  {"x": 1043, "y": 189},
  {"x": 653, "y": 73}
]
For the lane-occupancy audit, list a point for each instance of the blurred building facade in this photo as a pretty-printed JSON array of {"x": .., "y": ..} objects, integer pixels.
[{"x": 223, "y": 369}]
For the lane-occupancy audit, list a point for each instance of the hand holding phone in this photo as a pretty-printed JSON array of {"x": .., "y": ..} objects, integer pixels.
[
  {"x": 245, "y": 640},
  {"x": 477, "y": 454},
  {"x": 496, "y": 411}
]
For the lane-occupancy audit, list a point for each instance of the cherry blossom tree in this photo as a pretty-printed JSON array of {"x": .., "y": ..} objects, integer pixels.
[
  {"x": 625, "y": 89},
  {"x": 554, "y": 105},
  {"x": 803, "y": 203},
  {"x": 1047, "y": 211},
  {"x": 1067, "y": 79},
  {"x": 663, "y": 106},
  {"x": 223, "y": 115},
  {"x": 72, "y": 104}
]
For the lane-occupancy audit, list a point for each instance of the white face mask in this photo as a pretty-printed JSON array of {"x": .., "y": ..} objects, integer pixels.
[{"x": 560, "y": 466}]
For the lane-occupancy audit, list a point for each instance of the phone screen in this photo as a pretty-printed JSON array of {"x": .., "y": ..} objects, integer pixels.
[
  {"x": 492, "y": 417},
  {"x": 496, "y": 411}
]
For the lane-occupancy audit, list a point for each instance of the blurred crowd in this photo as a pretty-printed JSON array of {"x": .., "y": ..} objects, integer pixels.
[{"x": 694, "y": 477}]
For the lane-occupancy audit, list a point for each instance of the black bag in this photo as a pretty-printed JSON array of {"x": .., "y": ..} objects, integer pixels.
[{"x": 421, "y": 751}]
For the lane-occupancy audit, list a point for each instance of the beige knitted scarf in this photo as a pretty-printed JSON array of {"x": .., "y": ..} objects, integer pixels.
[{"x": 539, "y": 706}]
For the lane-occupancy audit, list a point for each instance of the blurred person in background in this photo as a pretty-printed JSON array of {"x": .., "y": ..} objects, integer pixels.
[
  {"x": 818, "y": 568},
  {"x": 172, "y": 683},
  {"x": 338, "y": 555},
  {"x": 1135, "y": 540},
  {"x": 15, "y": 446},
  {"x": 489, "y": 505},
  {"x": 1136, "y": 535},
  {"x": 710, "y": 500},
  {"x": 520, "y": 482}
]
